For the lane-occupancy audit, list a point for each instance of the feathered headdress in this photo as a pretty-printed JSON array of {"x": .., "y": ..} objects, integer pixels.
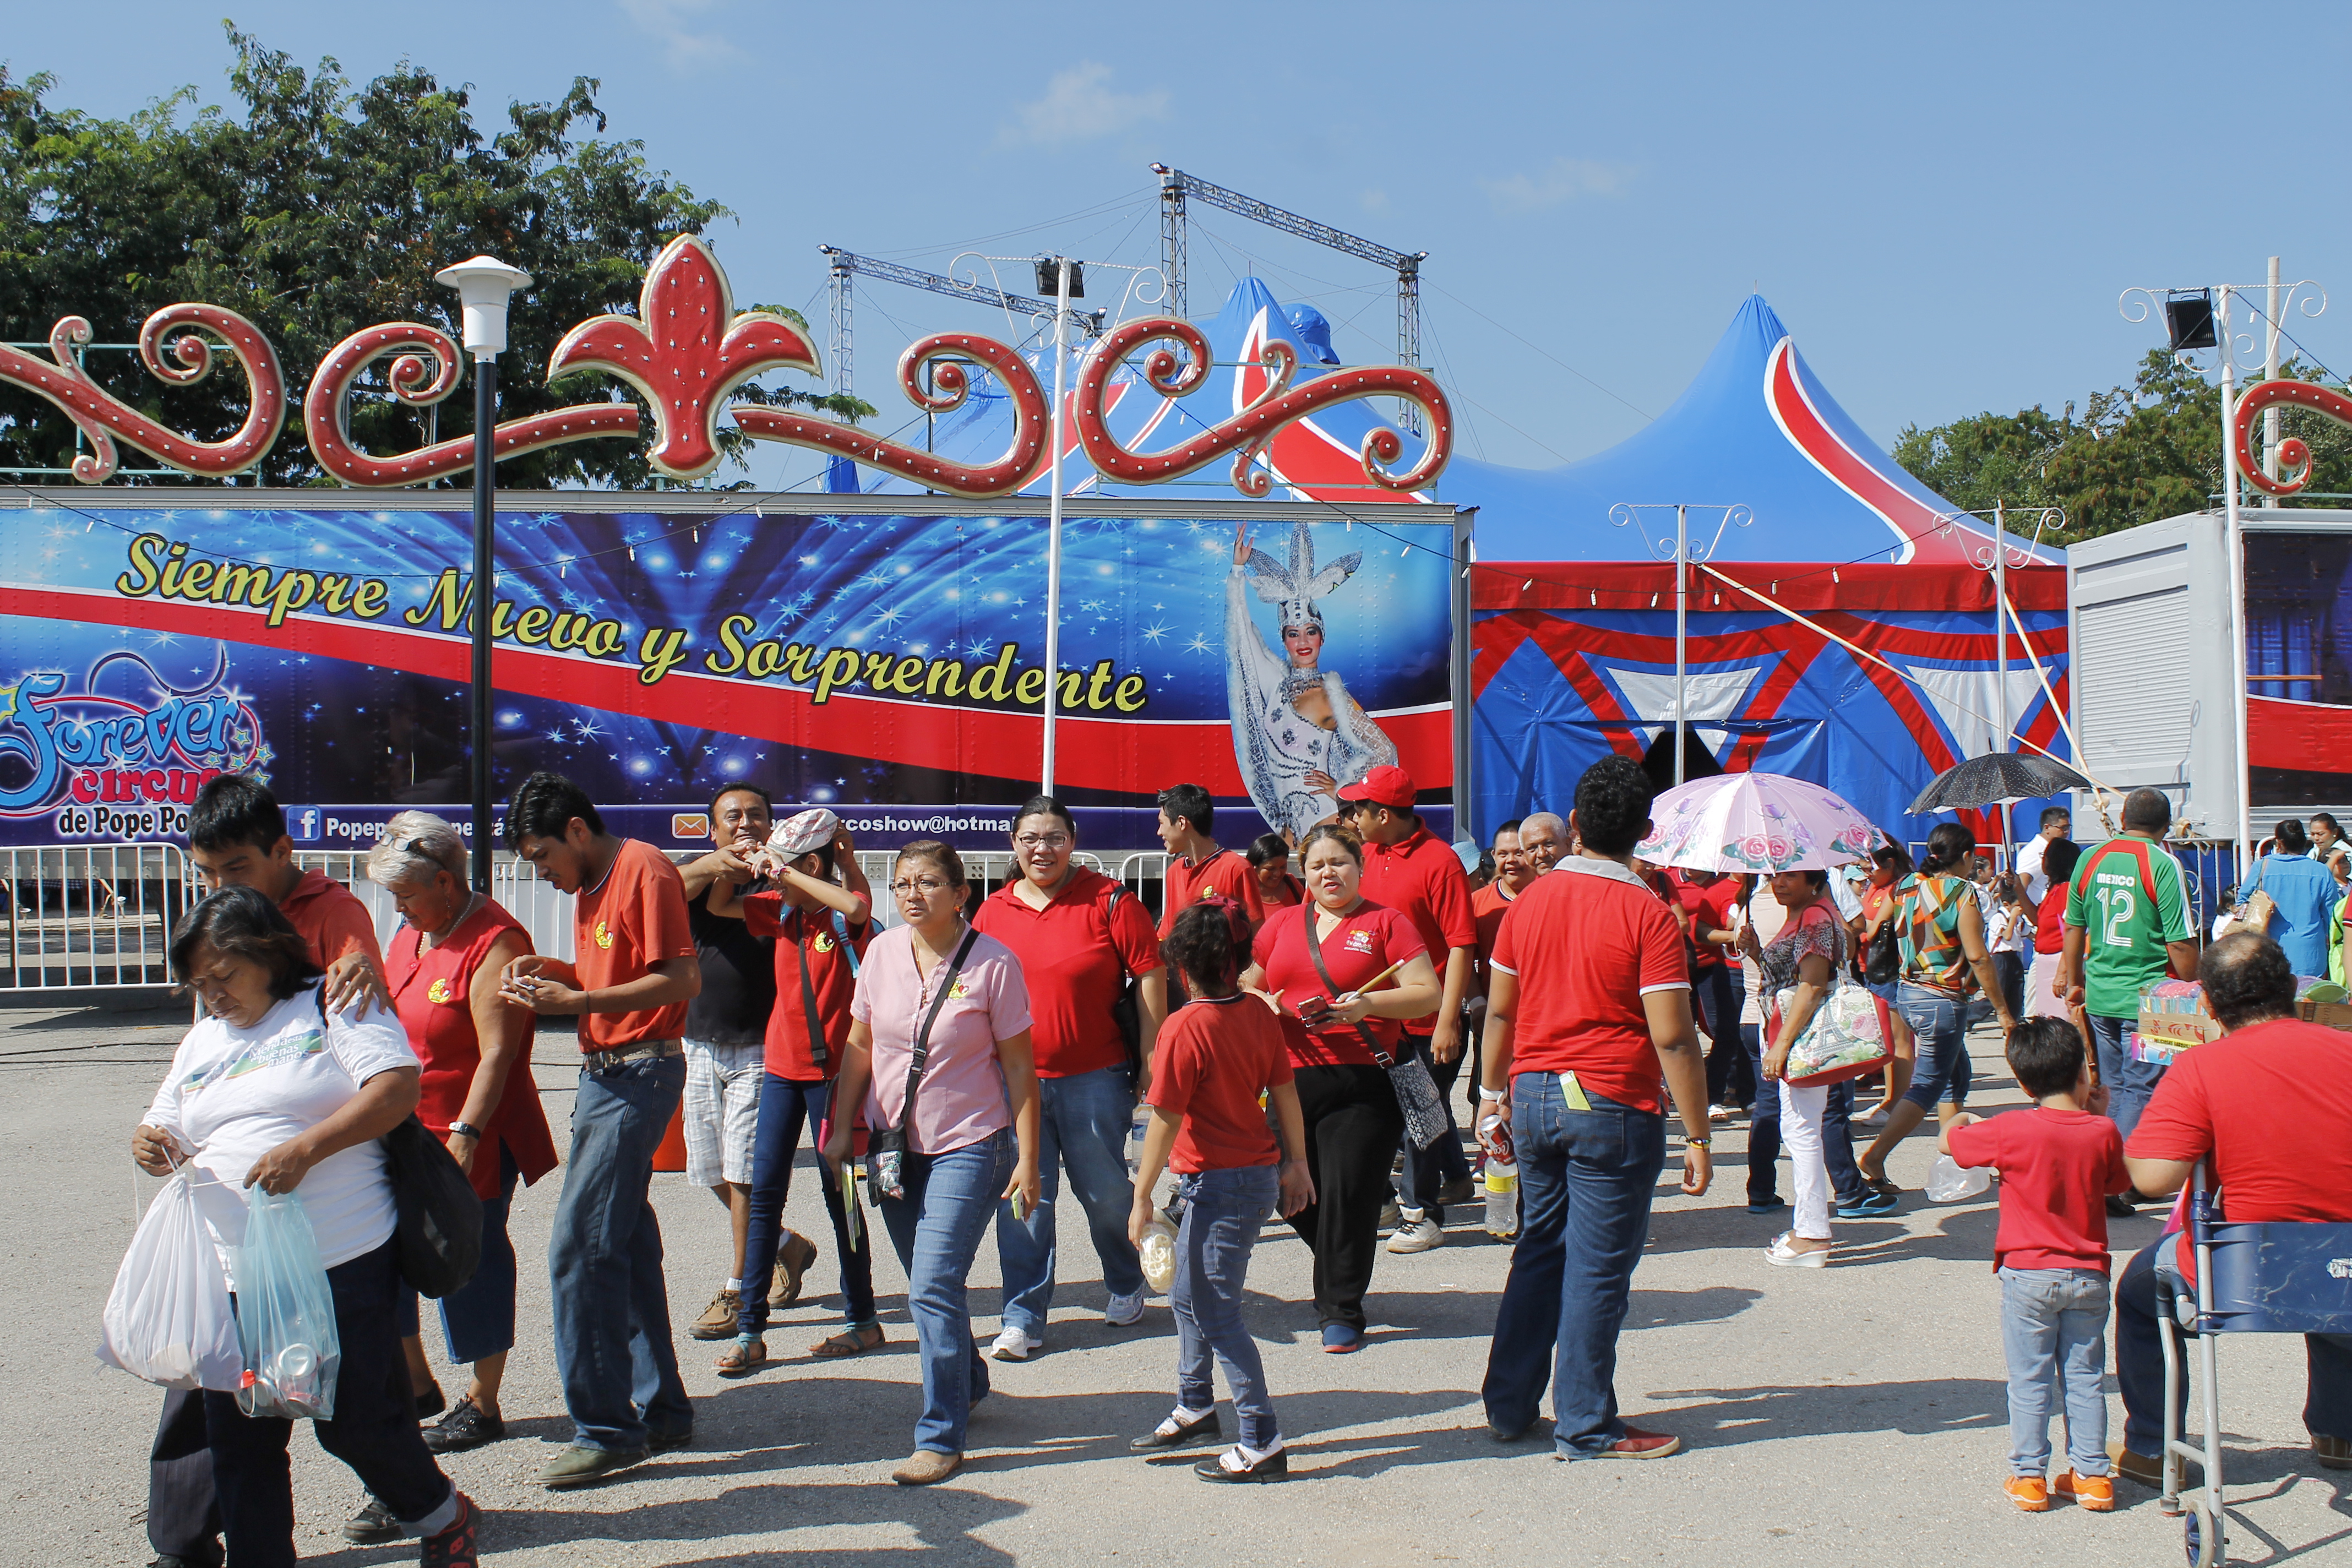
[{"x": 1295, "y": 587}]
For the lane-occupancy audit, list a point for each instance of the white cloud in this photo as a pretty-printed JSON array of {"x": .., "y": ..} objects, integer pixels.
[
  {"x": 1079, "y": 106},
  {"x": 671, "y": 22},
  {"x": 1564, "y": 180},
  {"x": 1373, "y": 201}
]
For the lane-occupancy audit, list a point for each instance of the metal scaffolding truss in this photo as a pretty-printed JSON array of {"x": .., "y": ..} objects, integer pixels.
[{"x": 844, "y": 263}]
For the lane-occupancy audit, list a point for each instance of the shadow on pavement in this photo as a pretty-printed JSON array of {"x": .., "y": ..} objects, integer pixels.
[{"x": 1721, "y": 1417}]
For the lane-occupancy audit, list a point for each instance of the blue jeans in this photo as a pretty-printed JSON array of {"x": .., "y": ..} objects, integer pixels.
[
  {"x": 613, "y": 1348},
  {"x": 478, "y": 1318},
  {"x": 785, "y": 1105},
  {"x": 2140, "y": 1295},
  {"x": 1222, "y": 1212},
  {"x": 2130, "y": 1083},
  {"x": 1764, "y": 1133},
  {"x": 2053, "y": 1327},
  {"x": 1427, "y": 1170},
  {"x": 1585, "y": 1179},
  {"x": 1940, "y": 1022},
  {"x": 936, "y": 1229},
  {"x": 1082, "y": 1123}
]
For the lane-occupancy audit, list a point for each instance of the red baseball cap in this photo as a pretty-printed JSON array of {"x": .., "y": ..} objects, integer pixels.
[{"x": 1384, "y": 785}]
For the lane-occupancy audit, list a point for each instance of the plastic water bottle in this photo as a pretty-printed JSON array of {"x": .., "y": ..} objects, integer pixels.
[
  {"x": 1138, "y": 1124},
  {"x": 1948, "y": 1184}
]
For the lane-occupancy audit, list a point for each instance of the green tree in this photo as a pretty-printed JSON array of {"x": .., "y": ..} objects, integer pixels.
[{"x": 322, "y": 209}]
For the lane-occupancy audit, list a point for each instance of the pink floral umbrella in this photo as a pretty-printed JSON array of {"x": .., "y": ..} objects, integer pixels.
[{"x": 1762, "y": 823}]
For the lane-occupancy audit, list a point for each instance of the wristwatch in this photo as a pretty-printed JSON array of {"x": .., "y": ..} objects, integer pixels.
[{"x": 468, "y": 1129}]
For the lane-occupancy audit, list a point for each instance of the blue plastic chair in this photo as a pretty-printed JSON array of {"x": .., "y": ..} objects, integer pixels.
[{"x": 2251, "y": 1279}]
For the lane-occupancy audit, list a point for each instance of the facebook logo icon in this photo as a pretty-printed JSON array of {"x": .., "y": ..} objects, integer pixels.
[{"x": 303, "y": 824}]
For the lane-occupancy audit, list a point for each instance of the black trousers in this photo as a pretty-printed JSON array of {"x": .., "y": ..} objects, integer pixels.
[
  {"x": 374, "y": 1429},
  {"x": 183, "y": 1516},
  {"x": 1426, "y": 1170},
  {"x": 1354, "y": 1126}
]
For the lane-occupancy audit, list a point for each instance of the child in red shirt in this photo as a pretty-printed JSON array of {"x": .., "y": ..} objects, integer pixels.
[
  {"x": 2057, "y": 1162},
  {"x": 1212, "y": 1060}
]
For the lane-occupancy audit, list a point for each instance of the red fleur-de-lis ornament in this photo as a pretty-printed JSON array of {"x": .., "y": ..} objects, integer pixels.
[{"x": 685, "y": 351}]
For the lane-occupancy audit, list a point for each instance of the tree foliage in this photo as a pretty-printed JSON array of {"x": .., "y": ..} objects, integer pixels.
[
  {"x": 2133, "y": 455},
  {"x": 323, "y": 208}
]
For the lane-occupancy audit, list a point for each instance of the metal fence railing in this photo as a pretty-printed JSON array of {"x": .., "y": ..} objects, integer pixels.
[{"x": 90, "y": 916}]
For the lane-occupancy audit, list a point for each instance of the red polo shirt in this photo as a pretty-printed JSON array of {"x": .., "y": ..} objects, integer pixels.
[
  {"x": 1422, "y": 879},
  {"x": 1586, "y": 944},
  {"x": 786, "y": 1050},
  {"x": 1223, "y": 874},
  {"x": 1076, "y": 953},
  {"x": 1215, "y": 1057},
  {"x": 1707, "y": 908},
  {"x": 621, "y": 928},
  {"x": 331, "y": 919},
  {"x": 1486, "y": 908}
]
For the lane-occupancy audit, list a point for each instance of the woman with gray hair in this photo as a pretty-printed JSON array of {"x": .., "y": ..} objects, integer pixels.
[{"x": 443, "y": 966}]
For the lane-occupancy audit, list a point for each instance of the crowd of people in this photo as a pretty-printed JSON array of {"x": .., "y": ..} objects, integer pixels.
[{"x": 1292, "y": 1027}]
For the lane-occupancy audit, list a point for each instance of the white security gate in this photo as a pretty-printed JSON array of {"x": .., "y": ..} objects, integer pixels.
[{"x": 90, "y": 916}]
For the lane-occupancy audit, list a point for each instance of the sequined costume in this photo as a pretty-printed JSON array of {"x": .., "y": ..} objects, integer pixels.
[{"x": 1275, "y": 745}]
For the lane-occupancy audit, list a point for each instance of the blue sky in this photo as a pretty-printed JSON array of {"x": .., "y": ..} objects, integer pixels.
[{"x": 1943, "y": 202}]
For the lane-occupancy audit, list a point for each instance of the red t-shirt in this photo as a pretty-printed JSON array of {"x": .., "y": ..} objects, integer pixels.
[
  {"x": 1707, "y": 908},
  {"x": 2049, "y": 922},
  {"x": 621, "y": 928},
  {"x": 785, "y": 1051},
  {"x": 2272, "y": 1105},
  {"x": 1422, "y": 879},
  {"x": 1223, "y": 874},
  {"x": 1587, "y": 942},
  {"x": 1213, "y": 1059},
  {"x": 1286, "y": 893},
  {"x": 1366, "y": 942},
  {"x": 2056, "y": 1168},
  {"x": 330, "y": 918},
  {"x": 1076, "y": 953},
  {"x": 1487, "y": 907}
]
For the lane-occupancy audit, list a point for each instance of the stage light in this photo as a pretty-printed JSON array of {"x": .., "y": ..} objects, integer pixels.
[{"x": 2189, "y": 320}]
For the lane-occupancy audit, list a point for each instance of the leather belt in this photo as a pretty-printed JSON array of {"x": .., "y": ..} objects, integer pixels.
[{"x": 606, "y": 1061}]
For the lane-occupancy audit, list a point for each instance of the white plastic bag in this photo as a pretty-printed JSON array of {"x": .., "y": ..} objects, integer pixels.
[
  {"x": 1157, "y": 1254},
  {"x": 167, "y": 1319},
  {"x": 1949, "y": 1183}
]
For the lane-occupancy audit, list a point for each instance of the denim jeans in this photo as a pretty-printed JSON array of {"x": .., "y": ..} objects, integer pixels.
[
  {"x": 1764, "y": 1133},
  {"x": 2053, "y": 1327},
  {"x": 1222, "y": 1212},
  {"x": 613, "y": 1348},
  {"x": 374, "y": 1429},
  {"x": 2140, "y": 1295},
  {"x": 936, "y": 1229},
  {"x": 1586, "y": 1180},
  {"x": 2008, "y": 968},
  {"x": 477, "y": 1319},
  {"x": 1940, "y": 1022},
  {"x": 785, "y": 1105},
  {"x": 1426, "y": 1170},
  {"x": 1082, "y": 1123},
  {"x": 2130, "y": 1083},
  {"x": 1716, "y": 997}
]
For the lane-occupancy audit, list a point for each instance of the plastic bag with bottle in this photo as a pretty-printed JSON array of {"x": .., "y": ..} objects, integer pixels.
[
  {"x": 167, "y": 1319},
  {"x": 285, "y": 1314}
]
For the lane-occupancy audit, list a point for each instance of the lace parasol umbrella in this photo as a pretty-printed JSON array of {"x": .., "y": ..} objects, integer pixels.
[{"x": 1760, "y": 823}]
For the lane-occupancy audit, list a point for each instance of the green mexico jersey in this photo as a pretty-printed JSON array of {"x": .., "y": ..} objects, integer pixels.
[{"x": 2127, "y": 899}]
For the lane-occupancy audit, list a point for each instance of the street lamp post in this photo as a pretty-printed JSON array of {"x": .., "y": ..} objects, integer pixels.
[
  {"x": 1628, "y": 513},
  {"x": 1061, "y": 268},
  {"x": 484, "y": 286}
]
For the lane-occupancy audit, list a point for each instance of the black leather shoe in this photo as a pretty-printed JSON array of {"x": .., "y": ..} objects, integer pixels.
[
  {"x": 663, "y": 1442},
  {"x": 166, "y": 1560},
  {"x": 1274, "y": 1467},
  {"x": 428, "y": 1405},
  {"x": 463, "y": 1428},
  {"x": 371, "y": 1526},
  {"x": 1161, "y": 1436},
  {"x": 2120, "y": 1206}
]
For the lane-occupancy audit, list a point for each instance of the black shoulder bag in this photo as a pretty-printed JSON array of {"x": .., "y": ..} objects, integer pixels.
[
  {"x": 1127, "y": 1011},
  {"x": 437, "y": 1229},
  {"x": 1409, "y": 1077},
  {"x": 885, "y": 1149}
]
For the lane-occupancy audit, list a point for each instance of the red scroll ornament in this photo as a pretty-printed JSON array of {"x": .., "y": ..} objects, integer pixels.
[
  {"x": 2295, "y": 456},
  {"x": 425, "y": 373},
  {"x": 103, "y": 417},
  {"x": 1022, "y": 457},
  {"x": 1246, "y": 434}
]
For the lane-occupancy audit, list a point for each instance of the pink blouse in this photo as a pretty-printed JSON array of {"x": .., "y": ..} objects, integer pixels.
[{"x": 963, "y": 1098}]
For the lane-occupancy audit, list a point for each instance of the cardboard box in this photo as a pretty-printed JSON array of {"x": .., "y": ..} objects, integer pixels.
[{"x": 2327, "y": 1015}]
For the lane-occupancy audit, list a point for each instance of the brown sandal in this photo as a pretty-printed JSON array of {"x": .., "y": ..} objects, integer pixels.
[
  {"x": 745, "y": 1356},
  {"x": 848, "y": 1342}
]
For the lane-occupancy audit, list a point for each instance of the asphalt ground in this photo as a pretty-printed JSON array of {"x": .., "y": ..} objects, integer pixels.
[{"x": 1853, "y": 1414}]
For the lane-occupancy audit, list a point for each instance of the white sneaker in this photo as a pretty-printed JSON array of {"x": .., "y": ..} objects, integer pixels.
[
  {"x": 1124, "y": 1312},
  {"x": 1013, "y": 1344},
  {"x": 1787, "y": 1256},
  {"x": 1417, "y": 1234}
]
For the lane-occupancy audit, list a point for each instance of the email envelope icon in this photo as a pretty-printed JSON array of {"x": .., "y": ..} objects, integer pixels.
[{"x": 689, "y": 824}]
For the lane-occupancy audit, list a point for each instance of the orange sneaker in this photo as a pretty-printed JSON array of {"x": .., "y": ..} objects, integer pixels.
[
  {"x": 2097, "y": 1493},
  {"x": 2029, "y": 1494}
]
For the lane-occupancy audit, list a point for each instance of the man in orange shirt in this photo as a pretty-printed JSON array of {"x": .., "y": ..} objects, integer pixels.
[
  {"x": 237, "y": 839},
  {"x": 630, "y": 985}
]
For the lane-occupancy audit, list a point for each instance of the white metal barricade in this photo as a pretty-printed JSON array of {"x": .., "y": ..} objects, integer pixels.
[{"x": 90, "y": 916}]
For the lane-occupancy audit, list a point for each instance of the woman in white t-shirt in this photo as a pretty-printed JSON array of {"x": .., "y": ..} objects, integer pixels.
[{"x": 270, "y": 1090}]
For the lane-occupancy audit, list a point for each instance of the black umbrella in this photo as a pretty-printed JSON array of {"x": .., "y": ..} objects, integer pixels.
[{"x": 1996, "y": 777}]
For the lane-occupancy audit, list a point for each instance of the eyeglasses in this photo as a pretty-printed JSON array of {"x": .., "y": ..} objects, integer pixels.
[
  {"x": 1042, "y": 840},
  {"x": 923, "y": 885}
]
